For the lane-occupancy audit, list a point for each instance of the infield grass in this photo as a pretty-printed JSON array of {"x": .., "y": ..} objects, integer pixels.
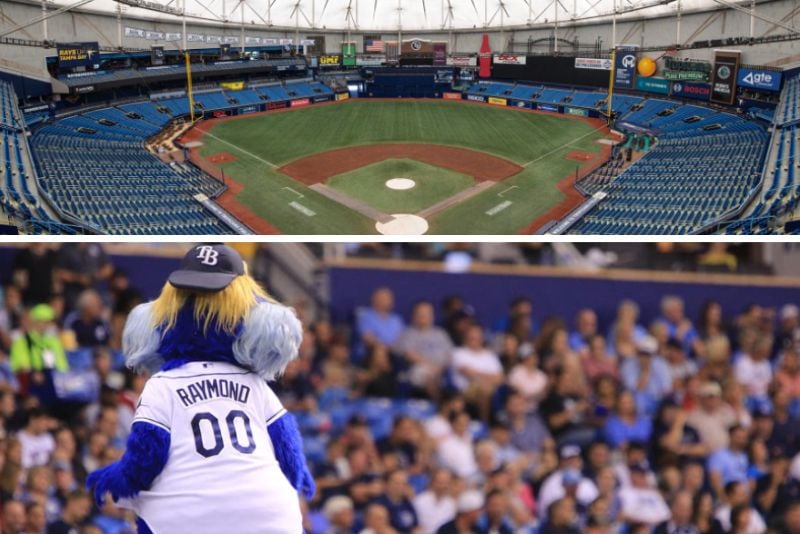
[
  {"x": 433, "y": 184},
  {"x": 261, "y": 143}
]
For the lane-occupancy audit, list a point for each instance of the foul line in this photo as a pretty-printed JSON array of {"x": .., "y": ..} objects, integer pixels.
[
  {"x": 504, "y": 191},
  {"x": 299, "y": 195},
  {"x": 242, "y": 150},
  {"x": 565, "y": 145}
]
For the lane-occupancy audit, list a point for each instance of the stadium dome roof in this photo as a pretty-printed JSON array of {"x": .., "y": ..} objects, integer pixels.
[{"x": 390, "y": 15}]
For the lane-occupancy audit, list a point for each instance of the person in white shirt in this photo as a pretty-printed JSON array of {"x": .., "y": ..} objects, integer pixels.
[
  {"x": 737, "y": 494},
  {"x": 477, "y": 371},
  {"x": 568, "y": 474},
  {"x": 436, "y": 505},
  {"x": 753, "y": 370},
  {"x": 640, "y": 502},
  {"x": 528, "y": 379},
  {"x": 456, "y": 452},
  {"x": 36, "y": 441}
]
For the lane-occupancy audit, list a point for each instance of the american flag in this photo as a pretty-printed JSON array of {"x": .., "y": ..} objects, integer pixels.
[{"x": 374, "y": 45}]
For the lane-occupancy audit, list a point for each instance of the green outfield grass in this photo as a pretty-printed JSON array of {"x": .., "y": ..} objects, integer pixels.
[
  {"x": 262, "y": 143},
  {"x": 368, "y": 184}
]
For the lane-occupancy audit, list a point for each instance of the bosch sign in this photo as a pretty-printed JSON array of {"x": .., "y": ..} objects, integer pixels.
[
  {"x": 759, "y": 79},
  {"x": 694, "y": 90}
]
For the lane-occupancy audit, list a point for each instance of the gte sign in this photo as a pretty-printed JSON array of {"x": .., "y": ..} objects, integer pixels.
[
  {"x": 758, "y": 78},
  {"x": 763, "y": 80}
]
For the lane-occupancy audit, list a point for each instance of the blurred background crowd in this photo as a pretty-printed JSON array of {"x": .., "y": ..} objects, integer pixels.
[{"x": 433, "y": 421}]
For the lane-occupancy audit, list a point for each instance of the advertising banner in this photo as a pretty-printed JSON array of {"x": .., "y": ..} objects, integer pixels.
[
  {"x": 157, "y": 55},
  {"x": 576, "y": 111},
  {"x": 252, "y": 40},
  {"x": 195, "y": 37},
  {"x": 230, "y": 40},
  {"x": 214, "y": 39},
  {"x": 369, "y": 61},
  {"x": 592, "y": 63},
  {"x": 653, "y": 85},
  {"x": 224, "y": 51},
  {"x": 761, "y": 80},
  {"x": 248, "y": 109},
  {"x": 318, "y": 99},
  {"x": 78, "y": 54},
  {"x": 723, "y": 85},
  {"x": 509, "y": 59},
  {"x": 498, "y": 101},
  {"x": 416, "y": 48},
  {"x": 300, "y": 102},
  {"x": 349, "y": 54},
  {"x": 440, "y": 54},
  {"x": 329, "y": 61},
  {"x": 476, "y": 98},
  {"x": 693, "y": 90},
  {"x": 342, "y": 96},
  {"x": 172, "y": 36},
  {"x": 690, "y": 75},
  {"x": 520, "y": 104},
  {"x": 625, "y": 67},
  {"x": 233, "y": 86},
  {"x": 154, "y": 36},
  {"x": 135, "y": 33},
  {"x": 547, "y": 107},
  {"x": 462, "y": 61},
  {"x": 392, "y": 51},
  {"x": 451, "y": 96},
  {"x": 277, "y": 105}
]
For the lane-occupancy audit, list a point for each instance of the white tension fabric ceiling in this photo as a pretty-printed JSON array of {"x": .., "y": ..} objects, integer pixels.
[{"x": 389, "y": 15}]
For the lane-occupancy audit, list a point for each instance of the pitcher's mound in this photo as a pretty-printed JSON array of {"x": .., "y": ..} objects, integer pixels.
[
  {"x": 400, "y": 184},
  {"x": 403, "y": 224}
]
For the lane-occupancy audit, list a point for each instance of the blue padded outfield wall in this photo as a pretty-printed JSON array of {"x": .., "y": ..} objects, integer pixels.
[{"x": 552, "y": 294}]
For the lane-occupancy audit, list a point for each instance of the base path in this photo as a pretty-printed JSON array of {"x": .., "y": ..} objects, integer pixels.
[
  {"x": 352, "y": 203},
  {"x": 459, "y": 197},
  {"x": 319, "y": 167}
]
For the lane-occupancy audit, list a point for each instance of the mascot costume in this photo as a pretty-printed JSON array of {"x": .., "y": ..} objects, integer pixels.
[{"x": 211, "y": 449}]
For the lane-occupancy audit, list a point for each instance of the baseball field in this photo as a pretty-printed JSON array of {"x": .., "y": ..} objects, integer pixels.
[{"x": 399, "y": 166}]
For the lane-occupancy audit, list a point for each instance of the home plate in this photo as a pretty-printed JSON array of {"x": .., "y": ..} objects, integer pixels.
[
  {"x": 403, "y": 224},
  {"x": 400, "y": 183}
]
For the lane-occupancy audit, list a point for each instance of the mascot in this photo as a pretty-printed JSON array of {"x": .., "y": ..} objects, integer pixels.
[{"x": 211, "y": 448}]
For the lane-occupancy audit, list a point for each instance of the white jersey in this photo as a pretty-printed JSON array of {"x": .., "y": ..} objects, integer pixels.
[{"x": 222, "y": 474}]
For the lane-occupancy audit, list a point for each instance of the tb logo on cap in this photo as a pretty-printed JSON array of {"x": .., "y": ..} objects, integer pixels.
[{"x": 207, "y": 255}]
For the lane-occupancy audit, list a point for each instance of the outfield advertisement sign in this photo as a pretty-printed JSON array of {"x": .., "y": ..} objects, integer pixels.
[
  {"x": 691, "y": 75},
  {"x": 693, "y": 90},
  {"x": 329, "y": 61},
  {"x": 300, "y": 102},
  {"x": 579, "y": 112},
  {"x": 462, "y": 61},
  {"x": 248, "y": 109},
  {"x": 625, "y": 67},
  {"x": 653, "y": 85},
  {"x": 723, "y": 85},
  {"x": 762, "y": 80},
  {"x": 509, "y": 59},
  {"x": 78, "y": 54},
  {"x": 520, "y": 104},
  {"x": 547, "y": 107},
  {"x": 476, "y": 98},
  {"x": 342, "y": 96},
  {"x": 498, "y": 101},
  {"x": 277, "y": 105},
  {"x": 592, "y": 63},
  {"x": 451, "y": 96},
  {"x": 370, "y": 61}
]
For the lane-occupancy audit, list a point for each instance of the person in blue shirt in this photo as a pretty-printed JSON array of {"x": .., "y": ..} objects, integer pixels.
[
  {"x": 494, "y": 519},
  {"x": 402, "y": 514},
  {"x": 729, "y": 464},
  {"x": 678, "y": 325},
  {"x": 647, "y": 376},
  {"x": 378, "y": 324},
  {"x": 585, "y": 330},
  {"x": 625, "y": 425}
]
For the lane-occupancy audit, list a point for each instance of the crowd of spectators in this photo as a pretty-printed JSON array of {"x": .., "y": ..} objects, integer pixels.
[{"x": 525, "y": 424}]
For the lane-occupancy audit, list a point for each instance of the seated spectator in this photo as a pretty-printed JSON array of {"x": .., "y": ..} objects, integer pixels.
[
  {"x": 427, "y": 349},
  {"x": 585, "y": 330},
  {"x": 564, "y": 410},
  {"x": 712, "y": 417},
  {"x": 36, "y": 441},
  {"x": 626, "y": 331},
  {"x": 776, "y": 491},
  {"x": 404, "y": 442},
  {"x": 378, "y": 378},
  {"x": 729, "y": 464},
  {"x": 678, "y": 325},
  {"x": 86, "y": 324},
  {"x": 14, "y": 517},
  {"x": 527, "y": 431},
  {"x": 397, "y": 501},
  {"x": 11, "y": 315},
  {"x": 519, "y": 307},
  {"x": 789, "y": 327},
  {"x": 680, "y": 521},
  {"x": 436, "y": 505},
  {"x": 494, "y": 519},
  {"x": 438, "y": 426},
  {"x": 680, "y": 367},
  {"x": 379, "y": 324},
  {"x": 674, "y": 440},
  {"x": 528, "y": 380},
  {"x": 785, "y": 432},
  {"x": 640, "y": 502},
  {"x": 76, "y": 512},
  {"x": 626, "y": 424},
  {"x": 456, "y": 451},
  {"x": 568, "y": 480},
  {"x": 597, "y": 360},
  {"x": 787, "y": 377},
  {"x": 36, "y": 518},
  {"x": 647, "y": 376},
  {"x": 738, "y": 494},
  {"x": 338, "y": 511},
  {"x": 754, "y": 371},
  {"x": 476, "y": 371},
  {"x": 562, "y": 518},
  {"x": 470, "y": 506}
]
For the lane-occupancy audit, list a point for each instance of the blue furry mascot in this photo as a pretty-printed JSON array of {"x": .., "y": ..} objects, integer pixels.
[{"x": 211, "y": 448}]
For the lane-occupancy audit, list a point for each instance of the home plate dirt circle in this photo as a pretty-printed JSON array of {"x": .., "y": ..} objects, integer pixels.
[
  {"x": 400, "y": 184},
  {"x": 403, "y": 224}
]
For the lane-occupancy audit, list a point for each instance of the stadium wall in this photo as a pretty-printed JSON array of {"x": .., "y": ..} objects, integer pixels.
[
  {"x": 710, "y": 24},
  {"x": 495, "y": 286}
]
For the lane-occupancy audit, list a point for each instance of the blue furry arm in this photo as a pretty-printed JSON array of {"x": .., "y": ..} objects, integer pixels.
[
  {"x": 144, "y": 459},
  {"x": 288, "y": 445}
]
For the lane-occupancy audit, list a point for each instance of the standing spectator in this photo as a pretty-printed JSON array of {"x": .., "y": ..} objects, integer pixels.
[
  {"x": 33, "y": 272},
  {"x": 476, "y": 371},
  {"x": 79, "y": 266},
  {"x": 564, "y": 411},
  {"x": 729, "y": 464},
  {"x": 397, "y": 502},
  {"x": 379, "y": 324},
  {"x": 640, "y": 502},
  {"x": 470, "y": 505},
  {"x": 647, "y": 376},
  {"x": 427, "y": 349},
  {"x": 712, "y": 417},
  {"x": 11, "y": 315},
  {"x": 38, "y": 351},
  {"x": 86, "y": 324},
  {"x": 436, "y": 506}
]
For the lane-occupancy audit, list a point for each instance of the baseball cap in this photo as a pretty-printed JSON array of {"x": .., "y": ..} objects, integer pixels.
[
  {"x": 470, "y": 500},
  {"x": 647, "y": 345},
  {"x": 789, "y": 310},
  {"x": 43, "y": 313},
  {"x": 710, "y": 389},
  {"x": 569, "y": 451},
  {"x": 208, "y": 268}
]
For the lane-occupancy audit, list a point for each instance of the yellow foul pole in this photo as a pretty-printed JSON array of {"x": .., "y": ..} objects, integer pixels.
[
  {"x": 611, "y": 84},
  {"x": 189, "y": 84}
]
